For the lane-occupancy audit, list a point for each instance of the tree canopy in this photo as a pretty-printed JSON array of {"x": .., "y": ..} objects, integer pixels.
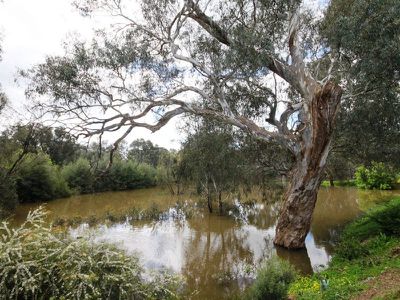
[
  {"x": 177, "y": 57},
  {"x": 365, "y": 35}
]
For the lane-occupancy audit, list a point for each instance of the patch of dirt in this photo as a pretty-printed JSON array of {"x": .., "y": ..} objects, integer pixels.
[
  {"x": 395, "y": 252},
  {"x": 384, "y": 286}
]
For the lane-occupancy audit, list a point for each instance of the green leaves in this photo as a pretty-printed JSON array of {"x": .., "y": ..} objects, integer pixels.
[
  {"x": 37, "y": 263},
  {"x": 272, "y": 281},
  {"x": 365, "y": 34},
  {"x": 378, "y": 176}
]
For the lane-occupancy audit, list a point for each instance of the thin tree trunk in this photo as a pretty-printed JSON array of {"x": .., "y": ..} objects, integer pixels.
[
  {"x": 209, "y": 201},
  {"x": 220, "y": 202},
  {"x": 296, "y": 214}
]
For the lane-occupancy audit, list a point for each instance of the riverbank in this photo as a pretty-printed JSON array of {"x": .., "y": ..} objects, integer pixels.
[{"x": 367, "y": 261}]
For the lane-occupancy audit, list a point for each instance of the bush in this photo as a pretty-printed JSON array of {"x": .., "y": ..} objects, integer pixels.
[
  {"x": 61, "y": 188},
  {"x": 273, "y": 280},
  {"x": 8, "y": 194},
  {"x": 378, "y": 176},
  {"x": 78, "y": 175},
  {"x": 39, "y": 180},
  {"x": 124, "y": 175},
  {"x": 36, "y": 263},
  {"x": 387, "y": 217},
  {"x": 350, "y": 249}
]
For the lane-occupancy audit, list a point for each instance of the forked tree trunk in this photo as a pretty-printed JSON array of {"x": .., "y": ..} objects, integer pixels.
[{"x": 295, "y": 217}]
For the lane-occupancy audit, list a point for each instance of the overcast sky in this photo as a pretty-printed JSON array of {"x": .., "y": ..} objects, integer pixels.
[{"x": 32, "y": 29}]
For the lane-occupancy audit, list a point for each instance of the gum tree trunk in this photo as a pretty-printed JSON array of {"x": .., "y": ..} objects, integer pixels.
[{"x": 295, "y": 217}]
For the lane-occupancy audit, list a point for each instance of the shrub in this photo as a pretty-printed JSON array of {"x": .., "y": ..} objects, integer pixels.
[
  {"x": 39, "y": 180},
  {"x": 8, "y": 194},
  {"x": 273, "y": 280},
  {"x": 78, "y": 175},
  {"x": 147, "y": 175},
  {"x": 124, "y": 175},
  {"x": 378, "y": 176},
  {"x": 61, "y": 188},
  {"x": 368, "y": 248},
  {"x": 350, "y": 249},
  {"x": 387, "y": 217},
  {"x": 36, "y": 263}
]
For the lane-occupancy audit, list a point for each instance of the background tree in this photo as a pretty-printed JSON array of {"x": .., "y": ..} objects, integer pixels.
[
  {"x": 264, "y": 163},
  {"x": 145, "y": 152},
  {"x": 211, "y": 159},
  {"x": 62, "y": 147},
  {"x": 169, "y": 173},
  {"x": 365, "y": 35}
]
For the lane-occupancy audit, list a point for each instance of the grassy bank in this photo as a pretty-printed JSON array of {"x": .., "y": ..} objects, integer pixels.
[{"x": 366, "y": 264}]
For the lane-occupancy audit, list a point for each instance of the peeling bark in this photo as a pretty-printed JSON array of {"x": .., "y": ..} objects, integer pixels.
[{"x": 301, "y": 195}]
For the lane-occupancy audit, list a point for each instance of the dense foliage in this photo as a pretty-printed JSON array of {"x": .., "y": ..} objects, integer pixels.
[
  {"x": 8, "y": 194},
  {"x": 272, "y": 281},
  {"x": 39, "y": 180},
  {"x": 37, "y": 263},
  {"x": 38, "y": 163},
  {"x": 377, "y": 176},
  {"x": 365, "y": 34}
]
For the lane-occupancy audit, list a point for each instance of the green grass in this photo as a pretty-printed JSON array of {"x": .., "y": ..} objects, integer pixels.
[{"x": 366, "y": 250}]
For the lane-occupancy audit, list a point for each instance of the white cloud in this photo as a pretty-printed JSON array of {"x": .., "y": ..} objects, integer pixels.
[{"x": 34, "y": 29}]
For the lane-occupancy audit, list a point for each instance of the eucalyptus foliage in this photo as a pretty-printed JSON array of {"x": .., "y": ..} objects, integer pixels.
[
  {"x": 365, "y": 34},
  {"x": 38, "y": 263}
]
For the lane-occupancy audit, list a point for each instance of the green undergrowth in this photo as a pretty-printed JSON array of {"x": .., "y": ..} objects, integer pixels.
[
  {"x": 272, "y": 280},
  {"x": 37, "y": 262},
  {"x": 369, "y": 246},
  {"x": 350, "y": 182}
]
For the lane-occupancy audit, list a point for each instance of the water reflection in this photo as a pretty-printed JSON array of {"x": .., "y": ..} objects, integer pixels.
[{"x": 215, "y": 254}]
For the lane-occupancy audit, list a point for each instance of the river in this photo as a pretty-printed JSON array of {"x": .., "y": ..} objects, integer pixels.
[{"x": 216, "y": 254}]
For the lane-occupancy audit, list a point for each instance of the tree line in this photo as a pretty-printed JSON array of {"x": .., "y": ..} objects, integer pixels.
[{"x": 39, "y": 163}]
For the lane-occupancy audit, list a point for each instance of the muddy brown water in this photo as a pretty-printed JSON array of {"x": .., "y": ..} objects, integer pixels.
[{"x": 216, "y": 254}]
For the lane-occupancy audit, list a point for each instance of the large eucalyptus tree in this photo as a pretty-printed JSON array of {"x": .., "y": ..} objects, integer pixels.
[{"x": 247, "y": 63}]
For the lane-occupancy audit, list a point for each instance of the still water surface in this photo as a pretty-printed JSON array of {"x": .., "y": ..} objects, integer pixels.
[{"x": 214, "y": 253}]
